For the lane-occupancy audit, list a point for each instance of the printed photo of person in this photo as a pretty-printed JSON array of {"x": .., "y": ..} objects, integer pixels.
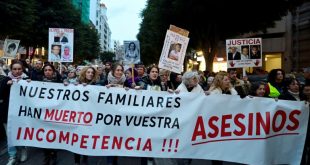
[
  {"x": 244, "y": 52},
  {"x": 54, "y": 55},
  {"x": 175, "y": 51},
  {"x": 61, "y": 37},
  {"x": 10, "y": 48},
  {"x": 131, "y": 51},
  {"x": 66, "y": 54},
  {"x": 255, "y": 52},
  {"x": 233, "y": 53}
]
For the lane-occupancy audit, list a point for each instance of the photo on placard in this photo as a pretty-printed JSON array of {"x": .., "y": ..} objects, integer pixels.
[
  {"x": 61, "y": 37},
  {"x": 175, "y": 51},
  {"x": 54, "y": 55},
  {"x": 11, "y": 48},
  {"x": 245, "y": 52},
  {"x": 234, "y": 53},
  {"x": 62, "y": 40},
  {"x": 66, "y": 54},
  {"x": 255, "y": 52},
  {"x": 132, "y": 52}
]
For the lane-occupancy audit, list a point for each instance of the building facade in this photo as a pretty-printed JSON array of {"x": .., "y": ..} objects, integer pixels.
[
  {"x": 84, "y": 7},
  {"x": 285, "y": 46},
  {"x": 301, "y": 37},
  {"x": 94, "y": 14},
  {"x": 103, "y": 28}
]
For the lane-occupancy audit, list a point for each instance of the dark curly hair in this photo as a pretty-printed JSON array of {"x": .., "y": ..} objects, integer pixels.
[{"x": 273, "y": 75}]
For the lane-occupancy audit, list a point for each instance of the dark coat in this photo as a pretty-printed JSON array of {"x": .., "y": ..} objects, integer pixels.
[
  {"x": 146, "y": 81},
  {"x": 287, "y": 96},
  {"x": 36, "y": 74},
  {"x": 255, "y": 56},
  {"x": 237, "y": 56},
  {"x": 4, "y": 98}
]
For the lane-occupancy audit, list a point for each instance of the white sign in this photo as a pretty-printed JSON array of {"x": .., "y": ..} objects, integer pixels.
[
  {"x": 60, "y": 45},
  {"x": 245, "y": 52},
  {"x": 95, "y": 120},
  {"x": 173, "y": 53},
  {"x": 132, "y": 52},
  {"x": 10, "y": 48}
]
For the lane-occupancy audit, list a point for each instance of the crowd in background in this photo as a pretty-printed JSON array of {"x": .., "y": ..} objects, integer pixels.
[{"x": 278, "y": 85}]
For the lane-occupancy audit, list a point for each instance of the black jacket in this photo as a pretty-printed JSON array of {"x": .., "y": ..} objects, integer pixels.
[
  {"x": 236, "y": 57},
  {"x": 4, "y": 98}
]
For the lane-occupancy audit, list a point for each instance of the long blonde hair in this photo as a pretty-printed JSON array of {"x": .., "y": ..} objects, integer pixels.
[
  {"x": 218, "y": 81},
  {"x": 82, "y": 78}
]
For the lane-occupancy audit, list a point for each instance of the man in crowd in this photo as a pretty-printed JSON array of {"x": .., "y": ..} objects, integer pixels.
[
  {"x": 241, "y": 87},
  {"x": 36, "y": 72},
  {"x": 141, "y": 70}
]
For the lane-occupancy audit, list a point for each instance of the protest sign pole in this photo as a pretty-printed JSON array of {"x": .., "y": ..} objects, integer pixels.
[
  {"x": 132, "y": 73},
  {"x": 243, "y": 71},
  {"x": 60, "y": 66}
]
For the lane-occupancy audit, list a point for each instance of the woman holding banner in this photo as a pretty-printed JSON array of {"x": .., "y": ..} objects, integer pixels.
[
  {"x": 190, "y": 83},
  {"x": 221, "y": 85},
  {"x": 132, "y": 79},
  {"x": 152, "y": 81},
  {"x": 88, "y": 76},
  {"x": 14, "y": 76},
  {"x": 257, "y": 90},
  {"x": 50, "y": 74},
  {"x": 116, "y": 78}
]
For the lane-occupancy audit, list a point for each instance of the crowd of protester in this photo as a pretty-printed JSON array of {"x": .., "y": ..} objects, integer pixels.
[{"x": 278, "y": 86}]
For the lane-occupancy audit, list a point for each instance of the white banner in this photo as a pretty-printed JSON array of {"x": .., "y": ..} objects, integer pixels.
[
  {"x": 173, "y": 53},
  {"x": 60, "y": 45},
  {"x": 246, "y": 52},
  {"x": 94, "y": 120}
]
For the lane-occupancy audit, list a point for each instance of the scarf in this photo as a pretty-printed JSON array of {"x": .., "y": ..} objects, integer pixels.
[
  {"x": 23, "y": 76},
  {"x": 294, "y": 94},
  {"x": 52, "y": 79},
  {"x": 114, "y": 80}
]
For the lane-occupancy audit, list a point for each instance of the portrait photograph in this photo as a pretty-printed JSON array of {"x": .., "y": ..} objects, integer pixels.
[
  {"x": 10, "y": 48},
  {"x": 175, "y": 51}
]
